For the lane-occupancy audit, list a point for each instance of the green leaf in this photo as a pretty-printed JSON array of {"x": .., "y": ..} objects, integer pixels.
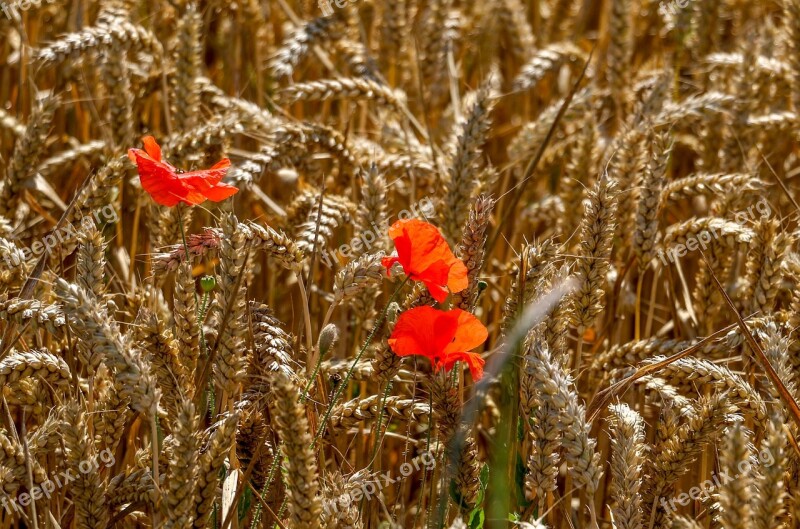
[
  {"x": 455, "y": 495},
  {"x": 245, "y": 503},
  {"x": 521, "y": 470},
  {"x": 476, "y": 518},
  {"x": 484, "y": 481}
]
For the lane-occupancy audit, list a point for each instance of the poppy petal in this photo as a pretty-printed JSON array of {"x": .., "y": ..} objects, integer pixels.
[
  {"x": 422, "y": 331},
  {"x": 428, "y": 245},
  {"x": 192, "y": 195},
  {"x": 396, "y": 229},
  {"x": 158, "y": 180},
  {"x": 133, "y": 154},
  {"x": 220, "y": 192},
  {"x": 152, "y": 148},
  {"x": 437, "y": 292},
  {"x": 457, "y": 278},
  {"x": 403, "y": 245},
  {"x": 168, "y": 188},
  {"x": 445, "y": 337},
  {"x": 474, "y": 361},
  {"x": 388, "y": 263},
  {"x": 146, "y": 164},
  {"x": 470, "y": 333},
  {"x": 205, "y": 178},
  {"x": 167, "y": 192},
  {"x": 206, "y": 182},
  {"x": 426, "y": 257}
]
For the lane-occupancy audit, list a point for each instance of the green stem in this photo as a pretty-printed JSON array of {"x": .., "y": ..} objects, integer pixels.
[
  {"x": 186, "y": 252},
  {"x": 201, "y": 317},
  {"x": 344, "y": 382},
  {"x": 283, "y": 507},
  {"x": 380, "y": 421},
  {"x": 276, "y": 458},
  {"x": 311, "y": 380},
  {"x": 427, "y": 451},
  {"x": 212, "y": 398},
  {"x": 198, "y": 310},
  {"x": 377, "y": 434}
]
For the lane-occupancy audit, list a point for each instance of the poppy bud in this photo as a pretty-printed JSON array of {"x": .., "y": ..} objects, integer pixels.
[
  {"x": 327, "y": 338},
  {"x": 207, "y": 283}
]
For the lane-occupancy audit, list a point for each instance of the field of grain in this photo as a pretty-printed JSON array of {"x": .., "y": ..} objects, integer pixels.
[{"x": 399, "y": 263}]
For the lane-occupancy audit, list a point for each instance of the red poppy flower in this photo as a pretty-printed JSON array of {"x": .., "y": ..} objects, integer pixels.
[
  {"x": 426, "y": 257},
  {"x": 445, "y": 337},
  {"x": 168, "y": 185}
]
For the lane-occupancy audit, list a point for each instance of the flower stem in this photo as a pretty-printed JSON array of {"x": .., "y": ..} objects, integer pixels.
[
  {"x": 276, "y": 459},
  {"x": 344, "y": 382},
  {"x": 188, "y": 260},
  {"x": 200, "y": 309},
  {"x": 201, "y": 317},
  {"x": 380, "y": 420},
  {"x": 304, "y": 396},
  {"x": 155, "y": 448}
]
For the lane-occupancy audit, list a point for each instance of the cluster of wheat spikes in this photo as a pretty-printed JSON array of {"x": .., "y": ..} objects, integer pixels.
[{"x": 618, "y": 176}]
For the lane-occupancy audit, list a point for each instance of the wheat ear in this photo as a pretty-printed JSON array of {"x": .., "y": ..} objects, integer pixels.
[
  {"x": 345, "y": 88},
  {"x": 672, "y": 457},
  {"x": 182, "y": 467},
  {"x": 89, "y": 317},
  {"x": 555, "y": 387},
  {"x": 628, "y": 451},
  {"x": 597, "y": 230},
  {"x": 463, "y": 171},
  {"x": 184, "y": 93},
  {"x": 764, "y": 272},
  {"x": 303, "y": 503},
  {"x": 156, "y": 341},
  {"x": 27, "y": 152},
  {"x": 620, "y": 53},
  {"x": 187, "y": 332},
  {"x": 116, "y": 77},
  {"x": 234, "y": 256},
  {"x": 37, "y": 364},
  {"x": 88, "y": 490},
  {"x": 91, "y": 260},
  {"x": 472, "y": 249},
  {"x": 467, "y": 476},
  {"x": 217, "y": 449},
  {"x": 769, "y": 478},
  {"x": 646, "y": 233},
  {"x": 735, "y": 494}
]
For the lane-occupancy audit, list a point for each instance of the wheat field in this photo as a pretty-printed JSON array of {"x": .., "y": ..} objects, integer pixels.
[{"x": 613, "y": 181}]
